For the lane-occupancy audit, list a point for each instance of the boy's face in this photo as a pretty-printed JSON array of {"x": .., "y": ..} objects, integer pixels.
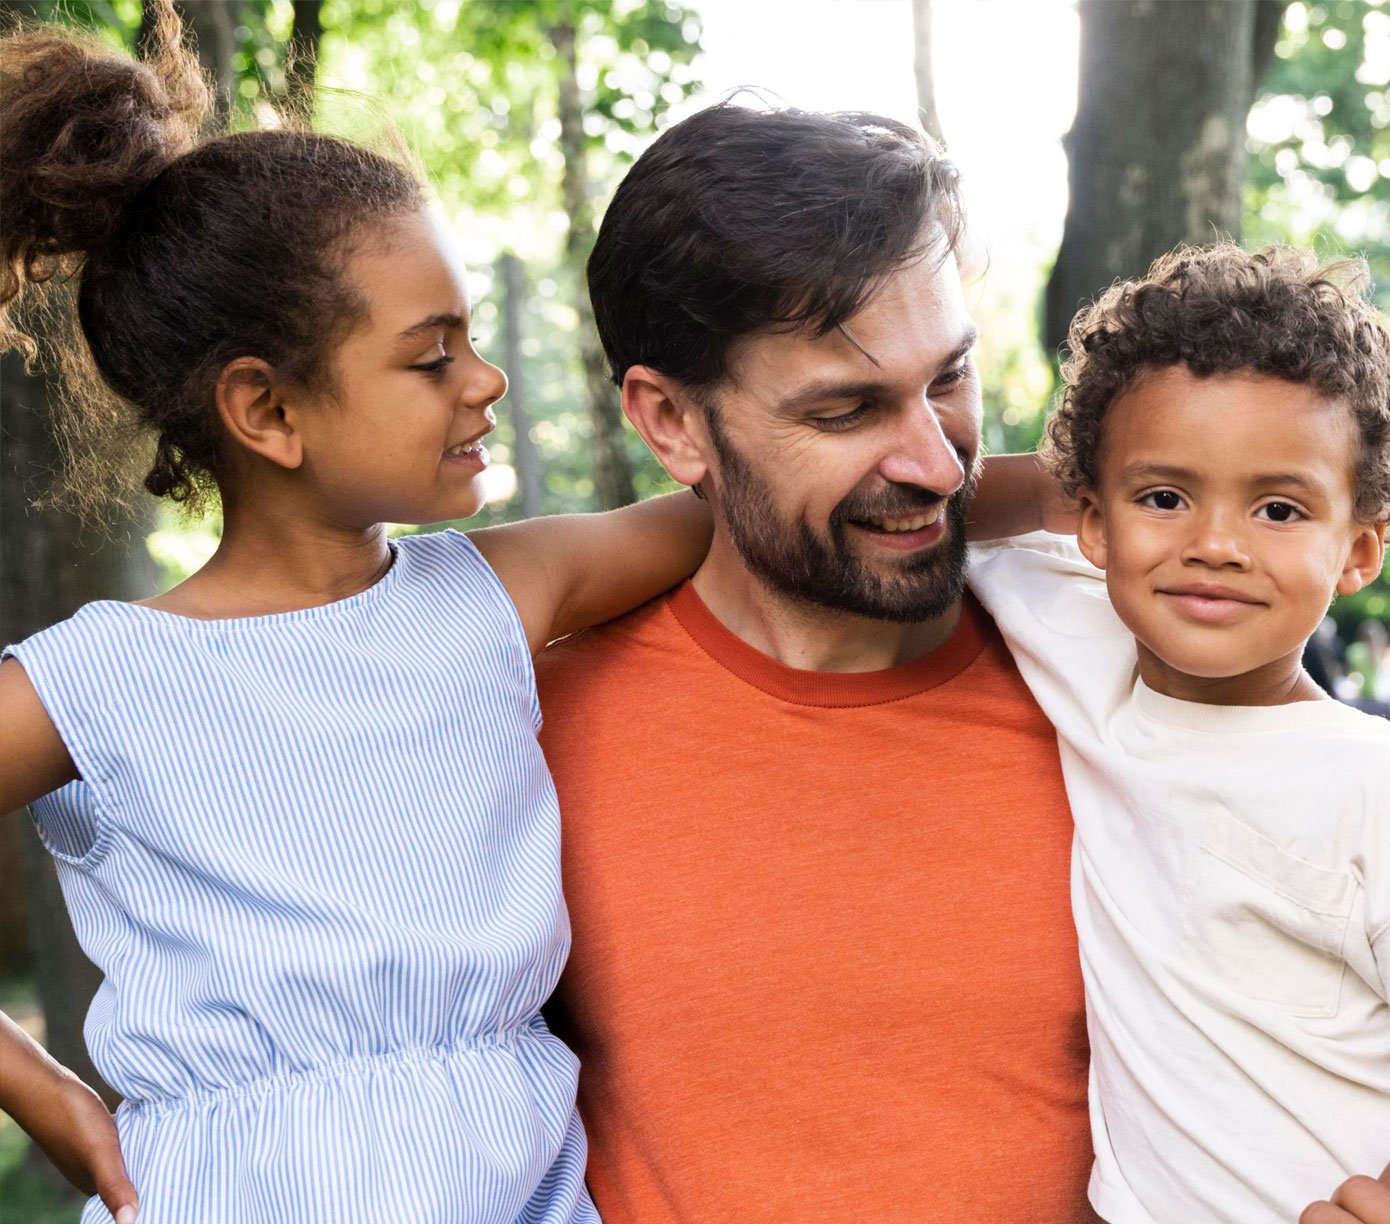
[{"x": 1224, "y": 523}]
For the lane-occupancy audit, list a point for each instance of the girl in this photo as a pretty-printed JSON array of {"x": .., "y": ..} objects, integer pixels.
[{"x": 300, "y": 816}]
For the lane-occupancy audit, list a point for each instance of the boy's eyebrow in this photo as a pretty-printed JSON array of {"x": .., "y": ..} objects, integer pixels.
[
  {"x": 431, "y": 324},
  {"x": 1159, "y": 471},
  {"x": 835, "y": 389}
]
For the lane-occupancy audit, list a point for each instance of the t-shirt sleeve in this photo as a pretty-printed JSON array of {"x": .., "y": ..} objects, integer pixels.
[
  {"x": 1052, "y": 608},
  {"x": 1377, "y": 871}
]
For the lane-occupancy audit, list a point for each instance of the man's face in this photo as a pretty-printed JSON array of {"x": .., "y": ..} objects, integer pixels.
[{"x": 843, "y": 463}]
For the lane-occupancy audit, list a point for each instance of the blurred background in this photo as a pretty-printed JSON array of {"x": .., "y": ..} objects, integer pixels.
[{"x": 1093, "y": 136}]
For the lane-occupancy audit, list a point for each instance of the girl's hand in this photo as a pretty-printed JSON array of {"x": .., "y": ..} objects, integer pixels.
[
  {"x": 78, "y": 1134},
  {"x": 1358, "y": 1200}
]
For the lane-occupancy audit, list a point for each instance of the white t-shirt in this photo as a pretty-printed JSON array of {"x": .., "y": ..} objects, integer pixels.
[{"x": 1231, "y": 888}]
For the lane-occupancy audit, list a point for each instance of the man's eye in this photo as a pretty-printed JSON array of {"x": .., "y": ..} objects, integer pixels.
[
  {"x": 949, "y": 378},
  {"x": 1280, "y": 512},
  {"x": 1162, "y": 499},
  {"x": 843, "y": 421}
]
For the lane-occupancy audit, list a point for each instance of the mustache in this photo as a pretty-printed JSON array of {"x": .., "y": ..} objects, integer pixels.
[{"x": 903, "y": 500}]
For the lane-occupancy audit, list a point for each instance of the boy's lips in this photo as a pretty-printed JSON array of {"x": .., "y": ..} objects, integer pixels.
[{"x": 1212, "y": 602}]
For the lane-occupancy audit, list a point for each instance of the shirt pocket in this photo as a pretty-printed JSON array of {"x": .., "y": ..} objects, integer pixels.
[{"x": 1265, "y": 923}]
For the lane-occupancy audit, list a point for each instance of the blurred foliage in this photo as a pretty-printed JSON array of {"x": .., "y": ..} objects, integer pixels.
[{"x": 1319, "y": 135}]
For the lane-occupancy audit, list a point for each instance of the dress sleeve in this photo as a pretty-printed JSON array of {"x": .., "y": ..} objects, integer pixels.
[{"x": 69, "y": 677}]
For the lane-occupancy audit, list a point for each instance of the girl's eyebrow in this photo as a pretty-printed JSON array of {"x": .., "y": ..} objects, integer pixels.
[{"x": 431, "y": 324}]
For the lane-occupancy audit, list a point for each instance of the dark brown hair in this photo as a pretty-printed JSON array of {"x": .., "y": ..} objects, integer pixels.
[
  {"x": 1218, "y": 310},
  {"x": 184, "y": 254},
  {"x": 739, "y": 220}
]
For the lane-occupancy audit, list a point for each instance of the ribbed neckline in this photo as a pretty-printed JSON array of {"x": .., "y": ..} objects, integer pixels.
[
  {"x": 381, "y": 587},
  {"x": 1229, "y": 720},
  {"x": 845, "y": 689}
]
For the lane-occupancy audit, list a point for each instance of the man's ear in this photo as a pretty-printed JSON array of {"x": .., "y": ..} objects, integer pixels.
[
  {"x": 671, "y": 423},
  {"x": 1365, "y": 558},
  {"x": 253, "y": 412},
  {"x": 1090, "y": 529}
]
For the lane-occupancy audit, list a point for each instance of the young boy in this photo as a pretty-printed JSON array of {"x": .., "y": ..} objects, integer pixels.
[{"x": 1226, "y": 430}]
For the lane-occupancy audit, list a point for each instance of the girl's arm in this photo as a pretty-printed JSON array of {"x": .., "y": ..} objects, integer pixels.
[
  {"x": 1016, "y": 494},
  {"x": 63, "y": 1116},
  {"x": 570, "y": 571}
]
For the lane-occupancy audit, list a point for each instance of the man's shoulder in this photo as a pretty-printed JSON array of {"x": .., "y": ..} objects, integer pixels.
[{"x": 617, "y": 645}]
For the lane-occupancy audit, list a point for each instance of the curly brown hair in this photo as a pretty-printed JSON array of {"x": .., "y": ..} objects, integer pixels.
[
  {"x": 142, "y": 257},
  {"x": 1219, "y": 309}
]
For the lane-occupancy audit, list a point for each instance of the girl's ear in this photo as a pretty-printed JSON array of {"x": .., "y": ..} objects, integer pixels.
[
  {"x": 1090, "y": 529},
  {"x": 1365, "y": 558},
  {"x": 254, "y": 413},
  {"x": 670, "y": 423}
]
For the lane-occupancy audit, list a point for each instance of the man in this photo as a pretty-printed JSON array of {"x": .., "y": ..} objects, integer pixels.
[{"x": 816, "y": 841}]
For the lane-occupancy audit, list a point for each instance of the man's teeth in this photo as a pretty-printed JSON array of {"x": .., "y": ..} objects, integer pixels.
[{"x": 907, "y": 524}]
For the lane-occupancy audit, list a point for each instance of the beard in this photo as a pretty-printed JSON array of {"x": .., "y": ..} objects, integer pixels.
[{"x": 795, "y": 561}]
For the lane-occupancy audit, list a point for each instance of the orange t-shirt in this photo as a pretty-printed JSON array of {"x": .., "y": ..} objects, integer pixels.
[{"x": 824, "y": 967}]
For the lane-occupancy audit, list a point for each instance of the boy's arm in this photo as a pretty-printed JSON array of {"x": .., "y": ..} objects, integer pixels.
[
  {"x": 570, "y": 571},
  {"x": 1358, "y": 1200},
  {"x": 1015, "y": 495}
]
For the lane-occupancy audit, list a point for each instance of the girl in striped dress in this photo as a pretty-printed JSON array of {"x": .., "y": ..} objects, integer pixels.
[{"x": 297, "y": 805}]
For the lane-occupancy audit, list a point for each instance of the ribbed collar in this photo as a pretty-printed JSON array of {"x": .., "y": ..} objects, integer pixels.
[
  {"x": 1230, "y": 720},
  {"x": 812, "y": 688}
]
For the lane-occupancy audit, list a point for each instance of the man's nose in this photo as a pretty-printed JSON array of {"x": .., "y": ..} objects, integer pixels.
[
  {"x": 1217, "y": 540},
  {"x": 923, "y": 455}
]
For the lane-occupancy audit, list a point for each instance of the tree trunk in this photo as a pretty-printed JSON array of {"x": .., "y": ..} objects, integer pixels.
[
  {"x": 49, "y": 567},
  {"x": 528, "y": 472},
  {"x": 922, "y": 69},
  {"x": 302, "y": 57},
  {"x": 211, "y": 25},
  {"x": 612, "y": 467},
  {"x": 1157, "y": 152}
]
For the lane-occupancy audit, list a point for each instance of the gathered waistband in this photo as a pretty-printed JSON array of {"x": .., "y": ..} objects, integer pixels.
[{"x": 337, "y": 1069}]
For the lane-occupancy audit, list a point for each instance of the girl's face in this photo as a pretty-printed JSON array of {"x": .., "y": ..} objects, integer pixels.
[{"x": 400, "y": 439}]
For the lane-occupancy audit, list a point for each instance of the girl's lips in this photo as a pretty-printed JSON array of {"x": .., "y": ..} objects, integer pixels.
[{"x": 475, "y": 459}]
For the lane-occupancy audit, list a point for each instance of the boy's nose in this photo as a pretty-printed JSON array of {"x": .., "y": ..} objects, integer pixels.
[{"x": 1216, "y": 543}]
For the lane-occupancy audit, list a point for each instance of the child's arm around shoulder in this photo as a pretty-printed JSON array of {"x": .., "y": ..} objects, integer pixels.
[
  {"x": 1358, "y": 1200},
  {"x": 1016, "y": 494},
  {"x": 567, "y": 572}
]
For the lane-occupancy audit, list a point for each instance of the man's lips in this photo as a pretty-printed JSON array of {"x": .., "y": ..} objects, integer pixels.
[{"x": 904, "y": 530}]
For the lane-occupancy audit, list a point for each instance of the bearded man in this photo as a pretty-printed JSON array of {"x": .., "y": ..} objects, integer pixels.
[{"x": 816, "y": 841}]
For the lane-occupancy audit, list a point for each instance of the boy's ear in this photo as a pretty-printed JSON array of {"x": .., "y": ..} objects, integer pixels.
[
  {"x": 670, "y": 422},
  {"x": 1365, "y": 558},
  {"x": 253, "y": 412},
  {"x": 1090, "y": 528}
]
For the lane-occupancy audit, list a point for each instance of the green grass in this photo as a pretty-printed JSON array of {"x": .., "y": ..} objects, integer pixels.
[{"x": 27, "y": 1196}]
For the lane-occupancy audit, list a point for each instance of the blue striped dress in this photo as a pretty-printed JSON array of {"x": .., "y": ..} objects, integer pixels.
[{"x": 316, "y": 856}]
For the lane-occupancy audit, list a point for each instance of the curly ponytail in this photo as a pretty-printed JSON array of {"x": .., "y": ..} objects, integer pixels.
[{"x": 183, "y": 255}]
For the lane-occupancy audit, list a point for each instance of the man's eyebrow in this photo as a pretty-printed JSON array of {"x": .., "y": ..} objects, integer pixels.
[
  {"x": 433, "y": 323},
  {"x": 841, "y": 389}
]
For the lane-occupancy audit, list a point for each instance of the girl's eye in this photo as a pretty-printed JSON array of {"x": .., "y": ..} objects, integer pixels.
[
  {"x": 1162, "y": 499},
  {"x": 435, "y": 366},
  {"x": 1280, "y": 512}
]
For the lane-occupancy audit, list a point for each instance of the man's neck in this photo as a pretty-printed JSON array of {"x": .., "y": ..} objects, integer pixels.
[{"x": 804, "y": 635}]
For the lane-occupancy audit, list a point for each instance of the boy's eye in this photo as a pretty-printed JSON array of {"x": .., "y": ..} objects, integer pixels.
[
  {"x": 1162, "y": 499},
  {"x": 1280, "y": 512}
]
